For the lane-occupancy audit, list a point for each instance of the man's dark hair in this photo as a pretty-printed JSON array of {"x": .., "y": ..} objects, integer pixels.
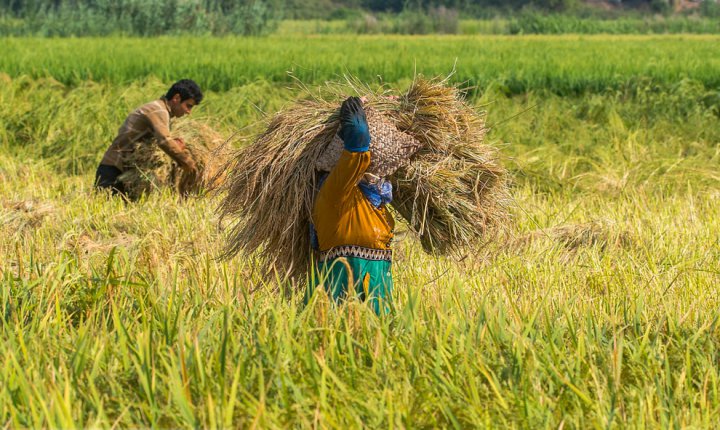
[{"x": 187, "y": 88}]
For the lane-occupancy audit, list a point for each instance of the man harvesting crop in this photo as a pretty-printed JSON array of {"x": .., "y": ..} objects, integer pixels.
[
  {"x": 151, "y": 120},
  {"x": 352, "y": 228}
]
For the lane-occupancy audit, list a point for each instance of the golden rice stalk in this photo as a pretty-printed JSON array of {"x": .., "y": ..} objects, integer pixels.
[{"x": 148, "y": 168}]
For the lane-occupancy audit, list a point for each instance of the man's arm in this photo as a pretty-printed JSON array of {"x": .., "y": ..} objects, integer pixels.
[{"x": 175, "y": 148}]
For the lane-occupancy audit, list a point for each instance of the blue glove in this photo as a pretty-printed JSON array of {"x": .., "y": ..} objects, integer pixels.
[{"x": 353, "y": 126}]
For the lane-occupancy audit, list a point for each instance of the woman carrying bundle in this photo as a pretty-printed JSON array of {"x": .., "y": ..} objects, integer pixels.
[{"x": 352, "y": 228}]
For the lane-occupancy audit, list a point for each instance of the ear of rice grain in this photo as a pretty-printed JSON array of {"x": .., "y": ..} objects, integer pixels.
[
  {"x": 148, "y": 168},
  {"x": 452, "y": 191}
]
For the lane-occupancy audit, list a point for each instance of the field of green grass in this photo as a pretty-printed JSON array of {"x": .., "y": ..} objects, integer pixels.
[{"x": 598, "y": 309}]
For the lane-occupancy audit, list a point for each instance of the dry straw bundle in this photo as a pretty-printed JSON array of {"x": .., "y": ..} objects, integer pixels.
[
  {"x": 452, "y": 191},
  {"x": 148, "y": 168}
]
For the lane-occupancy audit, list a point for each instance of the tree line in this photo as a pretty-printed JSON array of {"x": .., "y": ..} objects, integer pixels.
[
  {"x": 316, "y": 8},
  {"x": 257, "y": 17}
]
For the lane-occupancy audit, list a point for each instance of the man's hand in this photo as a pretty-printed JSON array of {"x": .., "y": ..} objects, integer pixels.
[
  {"x": 180, "y": 143},
  {"x": 189, "y": 179}
]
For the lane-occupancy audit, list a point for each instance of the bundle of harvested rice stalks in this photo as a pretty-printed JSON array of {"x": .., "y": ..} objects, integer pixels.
[
  {"x": 451, "y": 202},
  {"x": 271, "y": 185},
  {"x": 148, "y": 168},
  {"x": 452, "y": 191}
]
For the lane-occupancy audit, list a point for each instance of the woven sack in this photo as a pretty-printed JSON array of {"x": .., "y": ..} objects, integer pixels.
[{"x": 390, "y": 148}]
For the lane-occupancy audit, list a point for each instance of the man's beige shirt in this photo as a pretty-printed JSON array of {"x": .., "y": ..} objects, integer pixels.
[{"x": 147, "y": 121}]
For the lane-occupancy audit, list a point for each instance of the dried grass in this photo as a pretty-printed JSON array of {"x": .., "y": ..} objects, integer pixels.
[
  {"x": 87, "y": 244},
  {"x": 150, "y": 169},
  {"x": 572, "y": 237},
  {"x": 452, "y": 193},
  {"x": 24, "y": 214}
]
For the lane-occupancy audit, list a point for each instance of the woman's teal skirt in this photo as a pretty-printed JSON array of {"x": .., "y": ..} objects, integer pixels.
[{"x": 370, "y": 279}]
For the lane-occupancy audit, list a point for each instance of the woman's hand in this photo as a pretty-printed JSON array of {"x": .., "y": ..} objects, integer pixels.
[{"x": 353, "y": 126}]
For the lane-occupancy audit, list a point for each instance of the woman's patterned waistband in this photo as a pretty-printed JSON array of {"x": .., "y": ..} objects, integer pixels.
[{"x": 355, "y": 251}]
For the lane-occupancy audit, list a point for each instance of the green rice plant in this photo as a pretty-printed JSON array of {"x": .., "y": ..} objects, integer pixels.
[
  {"x": 565, "y": 65},
  {"x": 536, "y": 23}
]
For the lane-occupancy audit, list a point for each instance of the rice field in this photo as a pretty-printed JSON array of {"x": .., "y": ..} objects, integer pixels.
[
  {"x": 599, "y": 309},
  {"x": 568, "y": 64}
]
